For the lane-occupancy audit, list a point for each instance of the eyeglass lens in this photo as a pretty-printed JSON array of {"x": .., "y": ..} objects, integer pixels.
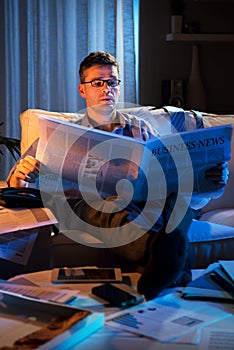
[{"x": 110, "y": 82}]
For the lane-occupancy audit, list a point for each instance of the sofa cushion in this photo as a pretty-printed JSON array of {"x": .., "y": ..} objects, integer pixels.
[
  {"x": 159, "y": 118},
  {"x": 29, "y": 124},
  {"x": 211, "y": 242},
  {"x": 204, "y": 231},
  {"x": 220, "y": 216}
]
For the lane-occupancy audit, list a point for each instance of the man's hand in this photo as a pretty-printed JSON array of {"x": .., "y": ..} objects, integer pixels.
[
  {"x": 218, "y": 174},
  {"x": 26, "y": 170}
]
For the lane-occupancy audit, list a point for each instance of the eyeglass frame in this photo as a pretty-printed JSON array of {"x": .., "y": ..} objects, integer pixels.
[{"x": 107, "y": 81}]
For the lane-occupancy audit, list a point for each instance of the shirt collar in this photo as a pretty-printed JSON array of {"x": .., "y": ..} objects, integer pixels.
[{"x": 121, "y": 121}]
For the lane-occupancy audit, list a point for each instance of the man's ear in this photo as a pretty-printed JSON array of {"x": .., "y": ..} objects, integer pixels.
[{"x": 81, "y": 90}]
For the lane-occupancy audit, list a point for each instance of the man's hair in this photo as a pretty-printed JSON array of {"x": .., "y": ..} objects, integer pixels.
[{"x": 97, "y": 58}]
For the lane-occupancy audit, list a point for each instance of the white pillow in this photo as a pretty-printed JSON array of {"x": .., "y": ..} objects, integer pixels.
[
  {"x": 220, "y": 217},
  {"x": 29, "y": 124},
  {"x": 157, "y": 116}
]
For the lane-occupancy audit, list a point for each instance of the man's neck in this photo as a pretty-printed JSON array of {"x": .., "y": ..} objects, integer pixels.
[{"x": 103, "y": 121}]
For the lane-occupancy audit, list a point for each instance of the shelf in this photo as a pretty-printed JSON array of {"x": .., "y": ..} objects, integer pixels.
[{"x": 200, "y": 37}]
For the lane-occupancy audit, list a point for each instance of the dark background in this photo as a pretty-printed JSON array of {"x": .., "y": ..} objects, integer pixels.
[{"x": 161, "y": 60}]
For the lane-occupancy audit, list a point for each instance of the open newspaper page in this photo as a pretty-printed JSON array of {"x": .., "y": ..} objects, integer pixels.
[
  {"x": 183, "y": 159},
  {"x": 94, "y": 162},
  {"x": 99, "y": 163}
]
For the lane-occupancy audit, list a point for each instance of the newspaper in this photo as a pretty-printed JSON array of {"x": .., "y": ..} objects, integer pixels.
[
  {"x": 105, "y": 164},
  {"x": 19, "y": 229}
]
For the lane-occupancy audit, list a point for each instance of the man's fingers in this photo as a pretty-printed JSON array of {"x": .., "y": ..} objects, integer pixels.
[
  {"x": 32, "y": 163},
  {"x": 218, "y": 173},
  {"x": 27, "y": 169}
]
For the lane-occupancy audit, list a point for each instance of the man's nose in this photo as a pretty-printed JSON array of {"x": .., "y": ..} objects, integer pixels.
[{"x": 106, "y": 86}]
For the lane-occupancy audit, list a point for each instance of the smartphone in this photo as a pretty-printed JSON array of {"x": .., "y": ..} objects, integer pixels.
[
  {"x": 118, "y": 295},
  {"x": 86, "y": 275}
]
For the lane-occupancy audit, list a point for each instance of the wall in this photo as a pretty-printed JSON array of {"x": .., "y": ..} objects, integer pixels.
[{"x": 160, "y": 60}]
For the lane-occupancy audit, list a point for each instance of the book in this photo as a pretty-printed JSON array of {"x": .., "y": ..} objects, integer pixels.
[
  {"x": 228, "y": 267},
  {"x": 214, "y": 284}
]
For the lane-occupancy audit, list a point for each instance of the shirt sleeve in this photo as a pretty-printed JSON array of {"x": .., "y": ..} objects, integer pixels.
[{"x": 198, "y": 202}]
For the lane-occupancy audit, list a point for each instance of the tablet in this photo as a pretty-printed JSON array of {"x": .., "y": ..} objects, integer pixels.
[{"x": 86, "y": 275}]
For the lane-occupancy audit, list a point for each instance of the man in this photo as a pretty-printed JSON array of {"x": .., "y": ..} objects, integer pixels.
[{"x": 165, "y": 254}]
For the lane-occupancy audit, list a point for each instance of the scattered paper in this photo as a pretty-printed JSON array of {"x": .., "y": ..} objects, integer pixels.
[
  {"x": 49, "y": 294},
  {"x": 167, "y": 318},
  {"x": 18, "y": 231},
  {"x": 12, "y": 220},
  {"x": 216, "y": 339},
  {"x": 17, "y": 246}
]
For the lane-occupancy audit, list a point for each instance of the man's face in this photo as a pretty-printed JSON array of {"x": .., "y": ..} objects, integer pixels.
[{"x": 101, "y": 99}]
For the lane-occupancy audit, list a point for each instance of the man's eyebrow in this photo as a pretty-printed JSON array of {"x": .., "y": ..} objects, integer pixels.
[{"x": 111, "y": 77}]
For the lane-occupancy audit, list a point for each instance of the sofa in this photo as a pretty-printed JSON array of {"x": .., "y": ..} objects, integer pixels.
[{"x": 211, "y": 237}]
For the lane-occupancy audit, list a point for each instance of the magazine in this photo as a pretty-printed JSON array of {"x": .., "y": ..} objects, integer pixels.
[
  {"x": 106, "y": 164},
  {"x": 27, "y": 323}
]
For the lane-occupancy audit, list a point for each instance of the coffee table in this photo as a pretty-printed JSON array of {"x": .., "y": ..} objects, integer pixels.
[{"x": 109, "y": 338}]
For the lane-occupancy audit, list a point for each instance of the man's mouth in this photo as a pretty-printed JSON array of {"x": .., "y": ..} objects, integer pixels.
[{"x": 107, "y": 100}]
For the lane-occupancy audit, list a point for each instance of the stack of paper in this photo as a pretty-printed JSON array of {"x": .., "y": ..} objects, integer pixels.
[{"x": 217, "y": 283}]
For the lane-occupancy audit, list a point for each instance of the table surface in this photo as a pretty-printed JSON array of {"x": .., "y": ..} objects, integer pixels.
[{"x": 109, "y": 338}]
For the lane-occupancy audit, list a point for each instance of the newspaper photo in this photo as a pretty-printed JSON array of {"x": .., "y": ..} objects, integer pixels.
[{"x": 104, "y": 164}]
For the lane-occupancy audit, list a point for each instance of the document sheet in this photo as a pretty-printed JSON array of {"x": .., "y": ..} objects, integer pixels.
[{"x": 16, "y": 242}]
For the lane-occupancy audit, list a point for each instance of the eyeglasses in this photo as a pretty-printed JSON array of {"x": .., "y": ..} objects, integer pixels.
[{"x": 97, "y": 83}]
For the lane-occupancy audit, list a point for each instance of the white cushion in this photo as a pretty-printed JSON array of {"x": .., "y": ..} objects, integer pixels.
[
  {"x": 29, "y": 124},
  {"x": 210, "y": 242},
  {"x": 220, "y": 216},
  {"x": 158, "y": 117},
  {"x": 201, "y": 231}
]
